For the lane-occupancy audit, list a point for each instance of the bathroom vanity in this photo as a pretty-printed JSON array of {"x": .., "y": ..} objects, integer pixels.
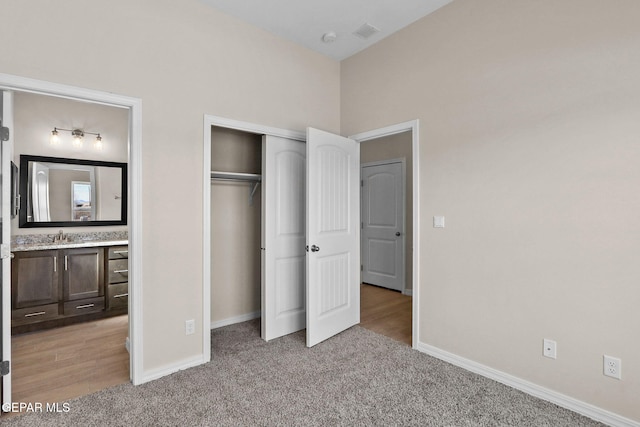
[{"x": 56, "y": 283}]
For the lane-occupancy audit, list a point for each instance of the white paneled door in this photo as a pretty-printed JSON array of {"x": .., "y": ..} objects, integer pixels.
[
  {"x": 383, "y": 224},
  {"x": 283, "y": 236},
  {"x": 333, "y": 235}
]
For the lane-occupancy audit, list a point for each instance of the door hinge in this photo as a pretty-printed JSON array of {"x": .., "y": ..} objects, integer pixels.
[
  {"x": 361, "y": 267},
  {"x": 362, "y": 183},
  {"x": 5, "y": 367},
  {"x": 4, "y": 132}
]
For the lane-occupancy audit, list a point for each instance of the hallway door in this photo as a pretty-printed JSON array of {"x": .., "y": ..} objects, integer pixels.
[{"x": 383, "y": 204}]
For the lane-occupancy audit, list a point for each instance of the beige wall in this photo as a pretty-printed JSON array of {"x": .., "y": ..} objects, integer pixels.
[
  {"x": 183, "y": 59},
  {"x": 395, "y": 147},
  {"x": 35, "y": 116},
  {"x": 529, "y": 147},
  {"x": 235, "y": 226}
]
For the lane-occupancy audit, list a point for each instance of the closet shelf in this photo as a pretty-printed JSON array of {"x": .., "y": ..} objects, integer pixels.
[{"x": 239, "y": 176}]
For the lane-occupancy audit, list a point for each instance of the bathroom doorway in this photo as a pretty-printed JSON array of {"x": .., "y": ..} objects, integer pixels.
[{"x": 120, "y": 328}]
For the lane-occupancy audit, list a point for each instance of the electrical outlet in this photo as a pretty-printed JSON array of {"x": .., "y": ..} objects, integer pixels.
[
  {"x": 612, "y": 367},
  {"x": 549, "y": 348},
  {"x": 190, "y": 327}
]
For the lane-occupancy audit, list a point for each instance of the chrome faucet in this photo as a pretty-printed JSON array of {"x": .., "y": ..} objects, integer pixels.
[{"x": 60, "y": 237}]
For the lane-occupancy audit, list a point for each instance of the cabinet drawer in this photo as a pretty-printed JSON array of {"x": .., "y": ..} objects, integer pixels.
[
  {"x": 117, "y": 296},
  {"x": 118, "y": 270},
  {"x": 84, "y": 306},
  {"x": 118, "y": 252},
  {"x": 34, "y": 314}
]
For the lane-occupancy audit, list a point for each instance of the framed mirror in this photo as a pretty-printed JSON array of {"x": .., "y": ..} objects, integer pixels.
[{"x": 59, "y": 192}]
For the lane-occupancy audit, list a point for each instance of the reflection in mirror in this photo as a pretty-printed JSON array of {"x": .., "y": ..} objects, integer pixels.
[
  {"x": 82, "y": 207},
  {"x": 69, "y": 192}
]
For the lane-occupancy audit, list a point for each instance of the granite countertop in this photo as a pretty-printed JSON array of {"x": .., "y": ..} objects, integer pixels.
[{"x": 40, "y": 242}]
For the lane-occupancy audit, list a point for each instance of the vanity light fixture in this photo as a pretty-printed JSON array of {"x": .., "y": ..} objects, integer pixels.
[{"x": 78, "y": 135}]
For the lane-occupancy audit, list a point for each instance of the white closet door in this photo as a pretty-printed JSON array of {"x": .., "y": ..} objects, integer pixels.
[
  {"x": 283, "y": 236},
  {"x": 333, "y": 235}
]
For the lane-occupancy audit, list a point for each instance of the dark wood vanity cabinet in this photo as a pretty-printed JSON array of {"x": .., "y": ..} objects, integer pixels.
[
  {"x": 83, "y": 273},
  {"x": 117, "y": 277},
  {"x": 35, "y": 286},
  {"x": 58, "y": 287},
  {"x": 83, "y": 281},
  {"x": 35, "y": 278}
]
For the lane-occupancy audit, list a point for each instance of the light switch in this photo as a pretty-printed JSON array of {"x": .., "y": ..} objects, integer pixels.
[{"x": 438, "y": 222}]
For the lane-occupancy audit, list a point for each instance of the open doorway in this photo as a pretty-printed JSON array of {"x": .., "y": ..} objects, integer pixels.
[
  {"x": 73, "y": 298},
  {"x": 393, "y": 142},
  {"x": 387, "y": 230},
  {"x": 69, "y": 280}
]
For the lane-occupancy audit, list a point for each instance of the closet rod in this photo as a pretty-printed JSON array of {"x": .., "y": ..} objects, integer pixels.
[{"x": 238, "y": 176}]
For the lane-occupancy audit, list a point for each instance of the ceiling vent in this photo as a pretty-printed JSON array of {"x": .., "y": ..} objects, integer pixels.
[{"x": 366, "y": 30}]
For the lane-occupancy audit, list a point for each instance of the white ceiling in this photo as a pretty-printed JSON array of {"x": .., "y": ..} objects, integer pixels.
[{"x": 306, "y": 21}]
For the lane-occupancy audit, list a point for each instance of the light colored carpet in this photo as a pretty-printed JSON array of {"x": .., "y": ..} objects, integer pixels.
[{"x": 358, "y": 378}]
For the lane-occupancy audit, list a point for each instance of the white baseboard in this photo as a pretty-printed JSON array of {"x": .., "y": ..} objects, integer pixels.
[
  {"x": 237, "y": 319},
  {"x": 408, "y": 292},
  {"x": 575, "y": 405},
  {"x": 157, "y": 373}
]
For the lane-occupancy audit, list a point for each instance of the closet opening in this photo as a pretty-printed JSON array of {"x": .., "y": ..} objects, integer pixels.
[
  {"x": 236, "y": 226},
  {"x": 267, "y": 278}
]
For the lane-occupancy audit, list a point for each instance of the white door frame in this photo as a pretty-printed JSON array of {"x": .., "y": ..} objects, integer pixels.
[
  {"x": 134, "y": 105},
  {"x": 412, "y": 126},
  {"x": 6, "y": 98},
  {"x": 403, "y": 176},
  {"x": 222, "y": 122}
]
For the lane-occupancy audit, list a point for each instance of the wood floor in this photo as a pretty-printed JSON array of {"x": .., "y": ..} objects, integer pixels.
[
  {"x": 386, "y": 312},
  {"x": 59, "y": 364}
]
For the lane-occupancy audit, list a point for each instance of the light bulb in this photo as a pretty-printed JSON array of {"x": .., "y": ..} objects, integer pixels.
[
  {"x": 54, "y": 139},
  {"x": 98, "y": 143},
  {"x": 77, "y": 137}
]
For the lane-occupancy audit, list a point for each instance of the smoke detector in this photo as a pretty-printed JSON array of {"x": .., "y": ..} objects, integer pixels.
[
  {"x": 329, "y": 37},
  {"x": 366, "y": 30}
]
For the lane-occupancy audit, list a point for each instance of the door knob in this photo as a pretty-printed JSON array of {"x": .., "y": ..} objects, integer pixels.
[
  {"x": 397, "y": 233},
  {"x": 315, "y": 248}
]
